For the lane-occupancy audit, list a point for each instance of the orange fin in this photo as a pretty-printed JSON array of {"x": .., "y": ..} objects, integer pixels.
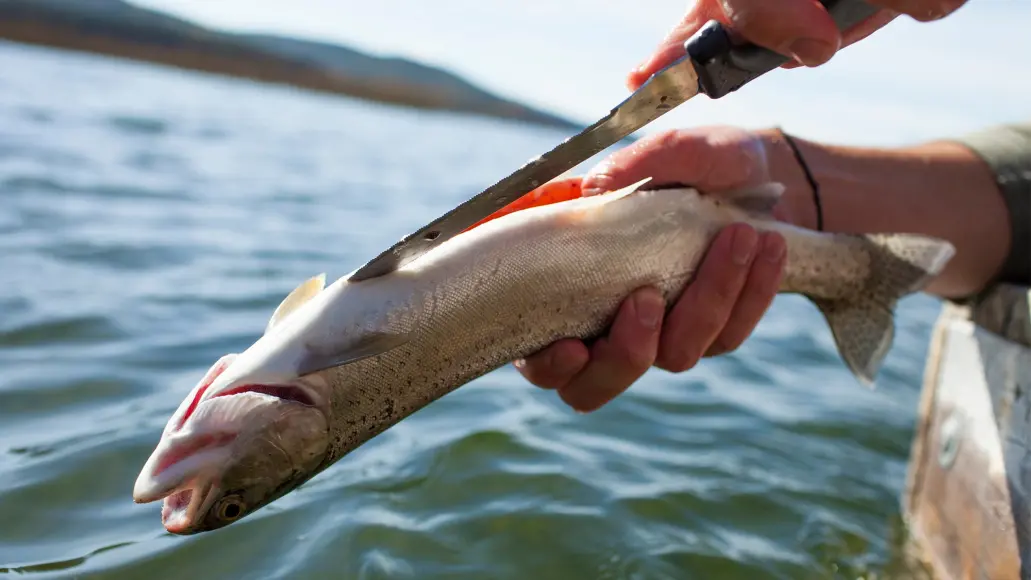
[{"x": 561, "y": 189}]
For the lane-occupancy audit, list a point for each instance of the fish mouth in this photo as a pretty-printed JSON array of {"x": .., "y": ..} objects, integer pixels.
[
  {"x": 183, "y": 453},
  {"x": 180, "y": 509},
  {"x": 186, "y": 467},
  {"x": 175, "y": 510},
  {"x": 183, "y": 475},
  {"x": 177, "y": 459}
]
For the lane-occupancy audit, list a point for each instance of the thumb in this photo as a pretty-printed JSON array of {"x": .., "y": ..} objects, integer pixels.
[
  {"x": 800, "y": 29},
  {"x": 708, "y": 158}
]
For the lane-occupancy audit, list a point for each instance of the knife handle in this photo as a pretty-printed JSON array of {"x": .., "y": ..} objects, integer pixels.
[{"x": 723, "y": 66}]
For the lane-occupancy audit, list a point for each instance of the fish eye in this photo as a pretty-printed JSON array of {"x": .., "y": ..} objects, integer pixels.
[{"x": 230, "y": 508}]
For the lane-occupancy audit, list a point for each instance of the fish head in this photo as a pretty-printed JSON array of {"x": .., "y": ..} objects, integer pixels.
[
  {"x": 252, "y": 429},
  {"x": 238, "y": 441},
  {"x": 257, "y": 425}
]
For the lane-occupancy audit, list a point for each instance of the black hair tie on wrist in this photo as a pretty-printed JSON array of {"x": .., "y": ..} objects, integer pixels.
[{"x": 808, "y": 177}]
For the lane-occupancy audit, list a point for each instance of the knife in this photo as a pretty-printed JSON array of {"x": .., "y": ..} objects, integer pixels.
[{"x": 715, "y": 65}]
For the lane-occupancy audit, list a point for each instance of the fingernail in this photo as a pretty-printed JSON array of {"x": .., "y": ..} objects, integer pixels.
[
  {"x": 773, "y": 248},
  {"x": 811, "y": 52},
  {"x": 519, "y": 363},
  {"x": 649, "y": 307},
  {"x": 743, "y": 246}
]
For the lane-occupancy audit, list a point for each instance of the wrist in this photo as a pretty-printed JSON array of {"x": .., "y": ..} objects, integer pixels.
[
  {"x": 939, "y": 189},
  {"x": 800, "y": 205}
]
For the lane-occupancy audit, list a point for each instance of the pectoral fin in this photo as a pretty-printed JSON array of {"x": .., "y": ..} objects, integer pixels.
[
  {"x": 370, "y": 344},
  {"x": 295, "y": 299}
]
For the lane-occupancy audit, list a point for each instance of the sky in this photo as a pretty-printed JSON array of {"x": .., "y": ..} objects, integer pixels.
[{"x": 909, "y": 82}]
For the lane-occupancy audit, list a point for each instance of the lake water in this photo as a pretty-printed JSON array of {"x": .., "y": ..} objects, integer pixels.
[{"x": 152, "y": 219}]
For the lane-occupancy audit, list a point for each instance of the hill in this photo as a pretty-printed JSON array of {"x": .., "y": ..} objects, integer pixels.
[{"x": 118, "y": 28}]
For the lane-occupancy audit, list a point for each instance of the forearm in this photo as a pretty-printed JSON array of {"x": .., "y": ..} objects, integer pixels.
[{"x": 940, "y": 189}]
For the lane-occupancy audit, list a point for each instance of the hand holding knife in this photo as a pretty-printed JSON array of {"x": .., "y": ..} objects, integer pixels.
[{"x": 715, "y": 65}]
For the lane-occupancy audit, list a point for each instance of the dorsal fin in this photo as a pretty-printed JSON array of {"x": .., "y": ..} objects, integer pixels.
[
  {"x": 295, "y": 299},
  {"x": 755, "y": 200},
  {"x": 587, "y": 204},
  {"x": 625, "y": 191}
]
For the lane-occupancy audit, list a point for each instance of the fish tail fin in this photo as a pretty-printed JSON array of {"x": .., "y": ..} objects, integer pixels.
[{"x": 863, "y": 325}]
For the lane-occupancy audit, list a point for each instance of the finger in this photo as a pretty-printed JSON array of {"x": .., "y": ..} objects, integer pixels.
[
  {"x": 556, "y": 365},
  {"x": 922, "y": 10},
  {"x": 705, "y": 305},
  {"x": 756, "y": 296},
  {"x": 672, "y": 46},
  {"x": 800, "y": 29},
  {"x": 709, "y": 158},
  {"x": 858, "y": 32},
  {"x": 620, "y": 358}
]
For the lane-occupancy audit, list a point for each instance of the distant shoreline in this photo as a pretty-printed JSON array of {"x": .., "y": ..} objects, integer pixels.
[{"x": 218, "y": 53}]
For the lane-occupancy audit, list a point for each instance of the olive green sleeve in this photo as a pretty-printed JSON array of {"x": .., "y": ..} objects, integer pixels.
[{"x": 1007, "y": 151}]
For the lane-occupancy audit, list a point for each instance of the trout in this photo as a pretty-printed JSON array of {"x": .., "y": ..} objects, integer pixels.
[{"x": 338, "y": 365}]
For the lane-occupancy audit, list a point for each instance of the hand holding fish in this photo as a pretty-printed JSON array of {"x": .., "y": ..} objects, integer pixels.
[
  {"x": 800, "y": 29},
  {"x": 951, "y": 196},
  {"x": 340, "y": 364},
  {"x": 735, "y": 284}
]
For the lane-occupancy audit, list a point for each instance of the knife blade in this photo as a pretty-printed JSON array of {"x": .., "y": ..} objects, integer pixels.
[{"x": 715, "y": 64}]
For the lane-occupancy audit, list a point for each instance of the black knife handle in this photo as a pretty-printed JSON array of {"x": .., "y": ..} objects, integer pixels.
[{"x": 724, "y": 67}]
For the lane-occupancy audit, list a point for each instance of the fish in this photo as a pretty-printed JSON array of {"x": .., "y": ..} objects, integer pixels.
[{"x": 338, "y": 365}]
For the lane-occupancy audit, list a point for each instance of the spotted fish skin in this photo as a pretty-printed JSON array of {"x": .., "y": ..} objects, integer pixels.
[{"x": 369, "y": 354}]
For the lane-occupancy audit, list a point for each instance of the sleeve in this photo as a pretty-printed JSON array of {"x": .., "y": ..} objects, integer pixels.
[{"x": 1006, "y": 149}]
